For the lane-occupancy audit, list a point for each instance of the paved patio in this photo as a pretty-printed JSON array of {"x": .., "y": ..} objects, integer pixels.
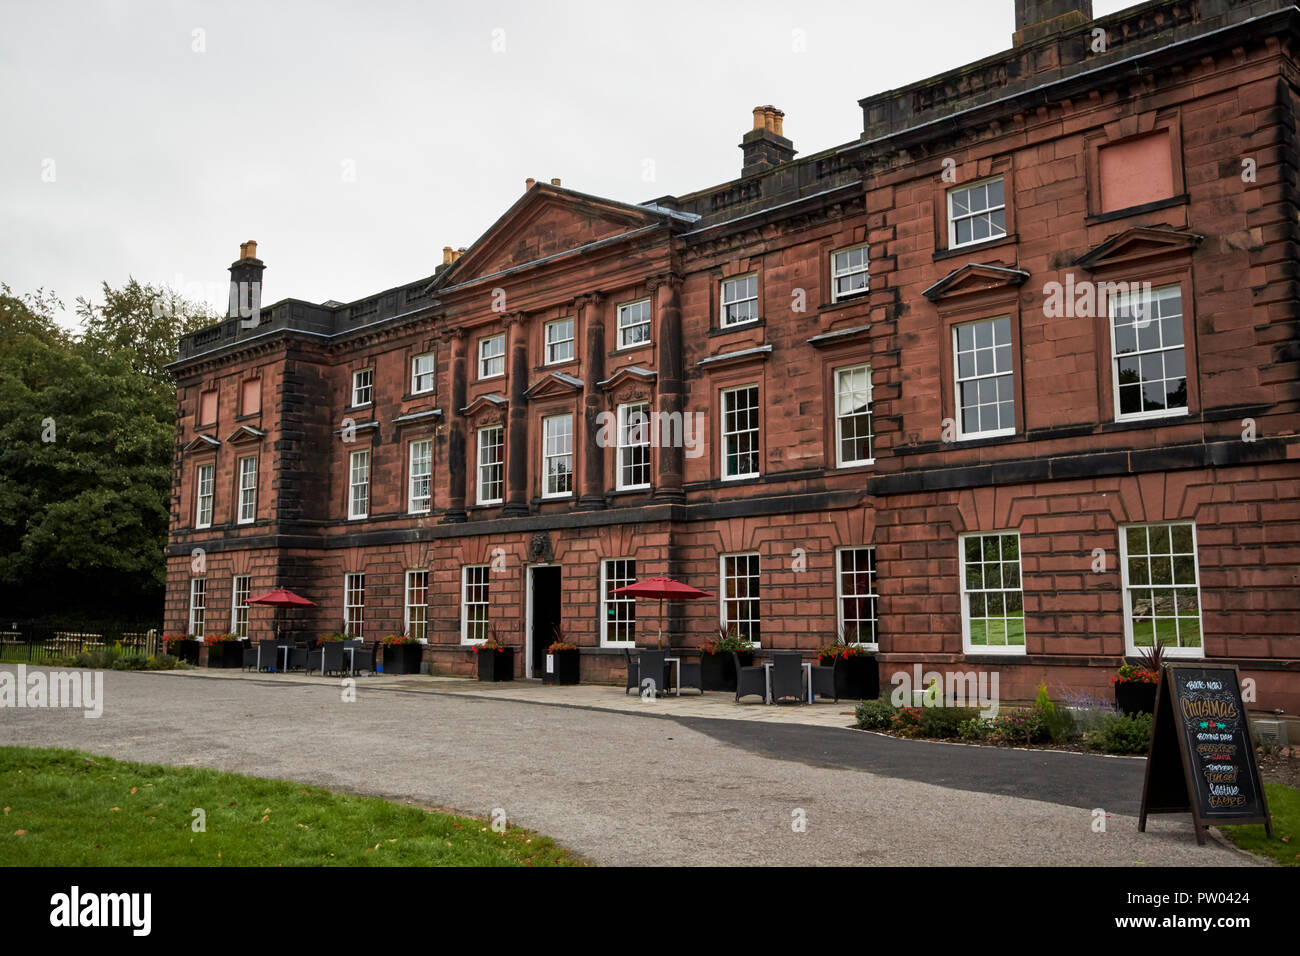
[{"x": 712, "y": 704}]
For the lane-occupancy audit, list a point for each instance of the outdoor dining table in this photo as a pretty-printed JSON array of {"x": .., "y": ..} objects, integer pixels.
[{"x": 767, "y": 672}]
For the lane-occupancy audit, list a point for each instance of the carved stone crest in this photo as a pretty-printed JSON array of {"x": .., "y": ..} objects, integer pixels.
[{"x": 539, "y": 548}]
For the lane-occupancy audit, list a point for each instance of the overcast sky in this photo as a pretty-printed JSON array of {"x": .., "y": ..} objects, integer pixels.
[{"x": 354, "y": 140}]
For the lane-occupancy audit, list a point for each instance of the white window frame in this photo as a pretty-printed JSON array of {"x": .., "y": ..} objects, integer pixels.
[
  {"x": 838, "y": 273},
  {"x": 958, "y": 381},
  {"x": 422, "y": 367},
  {"x": 952, "y": 220},
  {"x": 625, "y": 327},
  {"x": 724, "y": 402},
  {"x": 203, "y": 501},
  {"x": 414, "y": 505},
  {"x": 1115, "y": 357},
  {"x": 725, "y": 303},
  {"x": 631, "y": 439},
  {"x": 409, "y": 622},
  {"x": 840, "y": 419},
  {"x": 1014, "y": 650},
  {"x": 551, "y": 345},
  {"x": 548, "y": 456},
  {"x": 1130, "y": 647},
  {"x": 872, "y": 595},
  {"x": 483, "y": 360},
  {"x": 353, "y": 484},
  {"x": 723, "y": 616},
  {"x": 358, "y": 606},
  {"x": 198, "y": 607},
  {"x": 480, "y": 465},
  {"x": 621, "y": 600},
  {"x": 238, "y": 610},
  {"x": 368, "y": 387},
  {"x": 485, "y": 570},
  {"x": 247, "y": 490}
]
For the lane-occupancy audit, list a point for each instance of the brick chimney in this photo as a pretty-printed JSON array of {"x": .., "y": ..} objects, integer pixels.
[
  {"x": 246, "y": 284},
  {"x": 1036, "y": 19},
  {"x": 765, "y": 146}
]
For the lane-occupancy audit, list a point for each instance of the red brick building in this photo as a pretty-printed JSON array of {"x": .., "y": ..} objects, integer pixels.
[{"x": 1010, "y": 382}]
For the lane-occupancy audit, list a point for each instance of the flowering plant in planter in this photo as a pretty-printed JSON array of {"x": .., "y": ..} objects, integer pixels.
[
  {"x": 844, "y": 646},
  {"x": 170, "y": 639},
  {"x": 1134, "y": 674},
  {"x": 221, "y": 639},
  {"x": 391, "y": 640},
  {"x": 724, "y": 642},
  {"x": 335, "y": 636},
  {"x": 493, "y": 643}
]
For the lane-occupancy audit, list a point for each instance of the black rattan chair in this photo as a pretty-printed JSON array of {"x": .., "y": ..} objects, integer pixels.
[
  {"x": 250, "y": 657},
  {"x": 632, "y": 671},
  {"x": 690, "y": 674},
  {"x": 787, "y": 677},
  {"x": 363, "y": 658},
  {"x": 268, "y": 655},
  {"x": 749, "y": 680},
  {"x": 824, "y": 680},
  {"x": 650, "y": 664}
]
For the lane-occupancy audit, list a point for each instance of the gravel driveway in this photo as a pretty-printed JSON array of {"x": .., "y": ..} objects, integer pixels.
[{"x": 627, "y": 789}]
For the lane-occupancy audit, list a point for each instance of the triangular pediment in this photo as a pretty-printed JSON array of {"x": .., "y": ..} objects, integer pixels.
[
  {"x": 245, "y": 434},
  {"x": 201, "y": 443},
  {"x": 1142, "y": 242},
  {"x": 628, "y": 373},
  {"x": 975, "y": 277},
  {"x": 547, "y": 221},
  {"x": 556, "y": 383},
  {"x": 490, "y": 401}
]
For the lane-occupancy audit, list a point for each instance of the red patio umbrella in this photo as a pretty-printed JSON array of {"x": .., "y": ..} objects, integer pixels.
[
  {"x": 281, "y": 597},
  {"x": 661, "y": 588}
]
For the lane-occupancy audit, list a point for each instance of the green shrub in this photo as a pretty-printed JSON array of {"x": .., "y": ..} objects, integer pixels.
[
  {"x": 874, "y": 714},
  {"x": 164, "y": 662},
  {"x": 1058, "y": 722},
  {"x": 975, "y": 728},
  {"x": 907, "y": 721},
  {"x": 943, "y": 723},
  {"x": 1120, "y": 734},
  {"x": 1021, "y": 726}
]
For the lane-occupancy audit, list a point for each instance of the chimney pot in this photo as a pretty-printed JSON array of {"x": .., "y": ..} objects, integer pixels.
[
  {"x": 529, "y": 183},
  {"x": 555, "y": 182},
  {"x": 758, "y": 117},
  {"x": 249, "y": 249},
  {"x": 447, "y": 257}
]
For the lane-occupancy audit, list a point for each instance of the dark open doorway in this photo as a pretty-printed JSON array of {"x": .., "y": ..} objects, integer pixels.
[{"x": 546, "y": 614}]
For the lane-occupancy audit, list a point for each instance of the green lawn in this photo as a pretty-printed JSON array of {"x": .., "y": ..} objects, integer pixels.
[
  {"x": 67, "y": 808},
  {"x": 996, "y": 631},
  {"x": 1284, "y": 805}
]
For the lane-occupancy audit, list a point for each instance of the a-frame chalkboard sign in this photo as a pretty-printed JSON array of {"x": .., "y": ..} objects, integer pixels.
[{"x": 1202, "y": 759}]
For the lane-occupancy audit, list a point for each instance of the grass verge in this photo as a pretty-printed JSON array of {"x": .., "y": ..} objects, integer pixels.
[
  {"x": 1284, "y": 805},
  {"x": 68, "y": 808}
]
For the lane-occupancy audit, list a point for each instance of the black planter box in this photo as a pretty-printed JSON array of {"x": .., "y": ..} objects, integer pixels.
[
  {"x": 226, "y": 654},
  {"x": 565, "y": 668},
  {"x": 856, "y": 678},
  {"x": 187, "y": 651},
  {"x": 1133, "y": 697},
  {"x": 496, "y": 665},
  {"x": 718, "y": 671},
  {"x": 403, "y": 658}
]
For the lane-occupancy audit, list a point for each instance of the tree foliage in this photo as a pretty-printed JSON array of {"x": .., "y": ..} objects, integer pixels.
[{"x": 86, "y": 441}]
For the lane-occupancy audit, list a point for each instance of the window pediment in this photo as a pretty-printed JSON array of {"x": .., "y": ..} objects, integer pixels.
[
  {"x": 975, "y": 277},
  {"x": 1132, "y": 245}
]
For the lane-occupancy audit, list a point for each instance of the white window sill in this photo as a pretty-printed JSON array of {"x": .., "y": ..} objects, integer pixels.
[
  {"x": 1014, "y": 650},
  {"x": 1152, "y": 416},
  {"x": 856, "y": 464},
  {"x": 976, "y": 436}
]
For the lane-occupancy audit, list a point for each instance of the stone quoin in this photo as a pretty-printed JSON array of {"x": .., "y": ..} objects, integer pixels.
[{"x": 896, "y": 435}]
